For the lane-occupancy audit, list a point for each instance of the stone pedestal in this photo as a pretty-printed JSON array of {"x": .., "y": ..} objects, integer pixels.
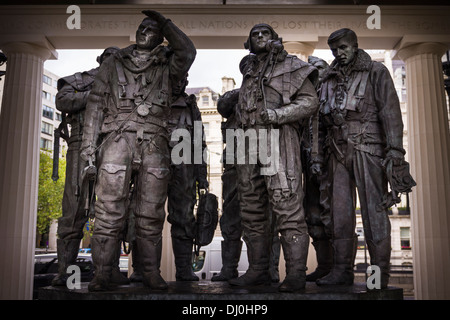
[
  {"x": 429, "y": 156},
  {"x": 20, "y": 123},
  {"x": 205, "y": 290}
]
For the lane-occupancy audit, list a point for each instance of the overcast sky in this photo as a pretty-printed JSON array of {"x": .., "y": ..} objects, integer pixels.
[{"x": 207, "y": 71}]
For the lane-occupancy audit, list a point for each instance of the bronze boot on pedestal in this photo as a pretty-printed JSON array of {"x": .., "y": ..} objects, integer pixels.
[
  {"x": 258, "y": 259},
  {"x": 380, "y": 255},
  {"x": 117, "y": 277},
  {"x": 344, "y": 257},
  {"x": 104, "y": 253},
  {"x": 67, "y": 254},
  {"x": 274, "y": 259},
  {"x": 324, "y": 255},
  {"x": 136, "y": 276},
  {"x": 295, "y": 249},
  {"x": 231, "y": 252},
  {"x": 182, "y": 251},
  {"x": 150, "y": 257}
]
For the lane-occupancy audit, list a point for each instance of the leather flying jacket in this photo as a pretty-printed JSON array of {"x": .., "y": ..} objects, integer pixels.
[
  {"x": 184, "y": 111},
  {"x": 359, "y": 104},
  {"x": 287, "y": 87},
  {"x": 72, "y": 96}
]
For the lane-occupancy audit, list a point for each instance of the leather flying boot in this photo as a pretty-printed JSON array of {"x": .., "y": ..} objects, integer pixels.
[
  {"x": 104, "y": 252},
  {"x": 344, "y": 257},
  {"x": 182, "y": 251},
  {"x": 274, "y": 259},
  {"x": 67, "y": 251},
  {"x": 136, "y": 276},
  {"x": 380, "y": 255},
  {"x": 231, "y": 253},
  {"x": 258, "y": 258},
  {"x": 150, "y": 257},
  {"x": 117, "y": 277},
  {"x": 295, "y": 249},
  {"x": 324, "y": 254}
]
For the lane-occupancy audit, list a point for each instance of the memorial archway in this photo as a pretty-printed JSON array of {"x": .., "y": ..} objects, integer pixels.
[{"x": 419, "y": 35}]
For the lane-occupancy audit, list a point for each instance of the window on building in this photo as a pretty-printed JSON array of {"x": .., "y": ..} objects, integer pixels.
[
  {"x": 47, "y": 128},
  {"x": 47, "y": 80},
  {"x": 206, "y": 128},
  {"x": 58, "y": 116},
  {"x": 47, "y": 112},
  {"x": 404, "y": 96},
  {"x": 405, "y": 238},
  {"x": 46, "y": 144},
  {"x": 205, "y": 101},
  {"x": 46, "y": 95}
]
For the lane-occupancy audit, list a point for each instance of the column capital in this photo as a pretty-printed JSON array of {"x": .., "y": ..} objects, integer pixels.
[
  {"x": 26, "y": 47},
  {"x": 299, "y": 48},
  {"x": 420, "y": 48}
]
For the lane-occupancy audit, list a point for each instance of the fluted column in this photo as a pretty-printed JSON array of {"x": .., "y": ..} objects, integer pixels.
[
  {"x": 19, "y": 167},
  {"x": 429, "y": 155}
]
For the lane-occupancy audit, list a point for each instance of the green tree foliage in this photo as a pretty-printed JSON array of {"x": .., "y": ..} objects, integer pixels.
[{"x": 50, "y": 193}]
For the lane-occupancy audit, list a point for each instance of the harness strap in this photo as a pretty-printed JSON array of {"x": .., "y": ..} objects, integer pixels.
[
  {"x": 315, "y": 135},
  {"x": 122, "y": 80},
  {"x": 354, "y": 98},
  {"x": 286, "y": 81}
]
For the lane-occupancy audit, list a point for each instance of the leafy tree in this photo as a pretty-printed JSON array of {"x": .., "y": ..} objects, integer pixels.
[{"x": 50, "y": 193}]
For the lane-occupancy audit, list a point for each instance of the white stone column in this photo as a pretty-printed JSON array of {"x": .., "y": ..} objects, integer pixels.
[
  {"x": 429, "y": 156},
  {"x": 20, "y": 120}
]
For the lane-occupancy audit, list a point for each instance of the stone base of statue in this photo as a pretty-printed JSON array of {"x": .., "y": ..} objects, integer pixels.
[{"x": 205, "y": 290}]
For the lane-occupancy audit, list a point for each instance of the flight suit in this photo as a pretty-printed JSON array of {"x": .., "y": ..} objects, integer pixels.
[
  {"x": 182, "y": 191},
  {"x": 361, "y": 114},
  {"x": 126, "y": 124},
  {"x": 283, "y": 84}
]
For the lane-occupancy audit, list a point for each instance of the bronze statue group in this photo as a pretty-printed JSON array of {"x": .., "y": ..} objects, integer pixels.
[{"x": 339, "y": 130}]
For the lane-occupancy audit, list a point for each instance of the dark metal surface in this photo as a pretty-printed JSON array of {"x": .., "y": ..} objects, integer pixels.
[{"x": 205, "y": 290}]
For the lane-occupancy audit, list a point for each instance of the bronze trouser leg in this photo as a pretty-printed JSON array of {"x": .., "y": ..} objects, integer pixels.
[
  {"x": 343, "y": 202},
  {"x": 254, "y": 201},
  {"x": 372, "y": 185},
  {"x": 181, "y": 201},
  {"x": 112, "y": 189},
  {"x": 230, "y": 221},
  {"x": 291, "y": 224},
  {"x": 255, "y": 221},
  {"x": 70, "y": 225},
  {"x": 112, "y": 186},
  {"x": 230, "y": 226}
]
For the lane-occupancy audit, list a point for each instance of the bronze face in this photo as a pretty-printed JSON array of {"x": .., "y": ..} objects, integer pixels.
[
  {"x": 344, "y": 50},
  {"x": 148, "y": 35},
  {"x": 259, "y": 38}
]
